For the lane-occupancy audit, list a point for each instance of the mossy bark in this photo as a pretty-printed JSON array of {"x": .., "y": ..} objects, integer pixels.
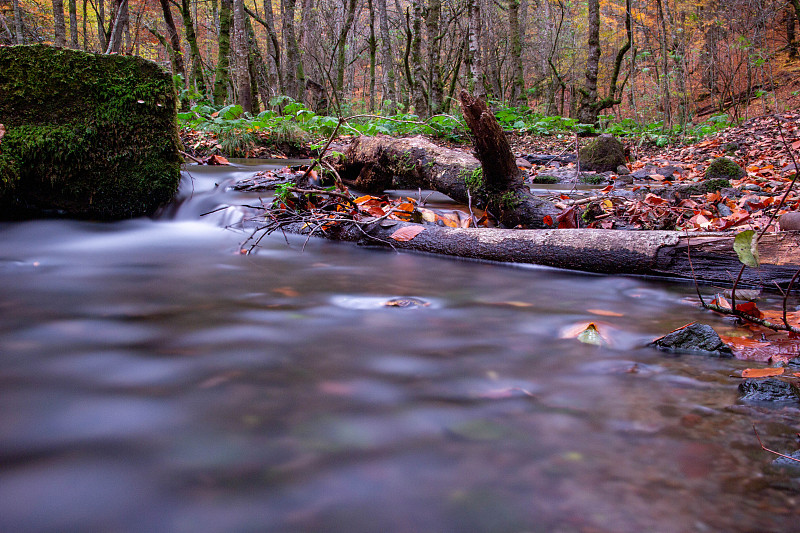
[{"x": 88, "y": 135}]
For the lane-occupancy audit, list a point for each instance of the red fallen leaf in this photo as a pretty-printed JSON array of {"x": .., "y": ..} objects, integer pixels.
[
  {"x": 407, "y": 233},
  {"x": 215, "y": 160},
  {"x": 606, "y": 189},
  {"x": 721, "y": 301},
  {"x": 548, "y": 220},
  {"x": 652, "y": 199},
  {"x": 796, "y": 145},
  {"x": 749, "y": 308},
  {"x": 568, "y": 219},
  {"x": 761, "y": 372}
]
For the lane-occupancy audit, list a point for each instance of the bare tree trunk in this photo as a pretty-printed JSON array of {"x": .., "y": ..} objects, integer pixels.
[
  {"x": 434, "y": 34},
  {"x": 241, "y": 58},
  {"x": 294, "y": 75},
  {"x": 273, "y": 46},
  {"x": 73, "y": 24},
  {"x": 20, "y": 37},
  {"x": 476, "y": 83},
  {"x": 518, "y": 96},
  {"x": 222, "y": 74},
  {"x": 260, "y": 74},
  {"x": 373, "y": 54},
  {"x": 417, "y": 86},
  {"x": 587, "y": 112},
  {"x": 174, "y": 40},
  {"x": 341, "y": 48},
  {"x": 120, "y": 22},
  {"x": 196, "y": 74},
  {"x": 793, "y": 45},
  {"x": 60, "y": 32},
  {"x": 387, "y": 60}
]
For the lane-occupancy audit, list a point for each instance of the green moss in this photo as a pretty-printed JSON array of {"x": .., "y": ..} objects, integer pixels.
[
  {"x": 724, "y": 168},
  {"x": 603, "y": 154},
  {"x": 92, "y": 135},
  {"x": 593, "y": 179},
  {"x": 509, "y": 200},
  {"x": 545, "y": 179},
  {"x": 473, "y": 180}
]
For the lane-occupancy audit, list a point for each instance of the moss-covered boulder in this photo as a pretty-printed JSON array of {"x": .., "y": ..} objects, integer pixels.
[
  {"x": 723, "y": 168},
  {"x": 603, "y": 154},
  {"x": 87, "y": 135}
]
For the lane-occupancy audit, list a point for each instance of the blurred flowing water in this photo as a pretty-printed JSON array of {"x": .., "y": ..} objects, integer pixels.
[{"x": 154, "y": 379}]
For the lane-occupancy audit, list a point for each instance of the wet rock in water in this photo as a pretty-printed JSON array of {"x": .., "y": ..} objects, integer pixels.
[
  {"x": 724, "y": 168},
  {"x": 603, "y": 154},
  {"x": 700, "y": 339},
  {"x": 408, "y": 302},
  {"x": 793, "y": 364},
  {"x": 524, "y": 163},
  {"x": 792, "y": 466},
  {"x": 769, "y": 390},
  {"x": 622, "y": 170},
  {"x": 790, "y": 221}
]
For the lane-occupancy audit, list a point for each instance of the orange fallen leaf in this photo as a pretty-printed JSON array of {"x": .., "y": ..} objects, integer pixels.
[
  {"x": 761, "y": 372},
  {"x": 407, "y": 233},
  {"x": 604, "y": 312}
]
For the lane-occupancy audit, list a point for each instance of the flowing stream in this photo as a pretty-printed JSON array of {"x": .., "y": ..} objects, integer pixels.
[{"x": 154, "y": 379}]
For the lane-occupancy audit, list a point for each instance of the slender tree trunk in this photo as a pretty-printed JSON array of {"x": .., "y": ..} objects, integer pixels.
[
  {"x": 222, "y": 74},
  {"x": 60, "y": 32},
  {"x": 294, "y": 75},
  {"x": 196, "y": 75},
  {"x": 73, "y": 24},
  {"x": 793, "y": 45},
  {"x": 434, "y": 33},
  {"x": 518, "y": 96},
  {"x": 174, "y": 40},
  {"x": 102, "y": 36},
  {"x": 259, "y": 72},
  {"x": 387, "y": 60},
  {"x": 349, "y": 17},
  {"x": 373, "y": 55},
  {"x": 273, "y": 46},
  {"x": 587, "y": 112},
  {"x": 418, "y": 88},
  {"x": 117, "y": 29},
  {"x": 666, "y": 94},
  {"x": 241, "y": 57},
  {"x": 475, "y": 56},
  {"x": 20, "y": 37}
]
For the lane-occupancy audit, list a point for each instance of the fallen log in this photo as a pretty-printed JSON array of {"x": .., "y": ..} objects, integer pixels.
[
  {"x": 640, "y": 253},
  {"x": 492, "y": 182}
]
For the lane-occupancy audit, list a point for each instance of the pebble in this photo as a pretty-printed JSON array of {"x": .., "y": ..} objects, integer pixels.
[{"x": 790, "y": 221}]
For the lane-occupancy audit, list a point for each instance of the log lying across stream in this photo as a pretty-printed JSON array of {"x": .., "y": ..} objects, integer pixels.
[{"x": 641, "y": 253}]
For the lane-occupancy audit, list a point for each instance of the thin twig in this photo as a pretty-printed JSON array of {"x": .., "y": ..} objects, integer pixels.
[{"x": 772, "y": 451}]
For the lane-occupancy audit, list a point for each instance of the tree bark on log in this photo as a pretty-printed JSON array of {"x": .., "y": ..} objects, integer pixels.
[{"x": 640, "y": 253}]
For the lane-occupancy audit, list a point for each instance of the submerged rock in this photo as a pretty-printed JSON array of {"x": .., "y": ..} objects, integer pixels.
[
  {"x": 87, "y": 135},
  {"x": 769, "y": 390},
  {"x": 695, "y": 338}
]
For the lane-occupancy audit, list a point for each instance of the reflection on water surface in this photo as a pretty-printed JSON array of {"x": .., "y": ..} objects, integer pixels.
[{"x": 152, "y": 379}]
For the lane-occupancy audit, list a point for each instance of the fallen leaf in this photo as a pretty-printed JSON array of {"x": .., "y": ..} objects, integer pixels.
[
  {"x": 407, "y": 233},
  {"x": 749, "y": 308},
  {"x": 745, "y": 244},
  {"x": 761, "y": 372},
  {"x": 604, "y": 312},
  {"x": 548, "y": 220}
]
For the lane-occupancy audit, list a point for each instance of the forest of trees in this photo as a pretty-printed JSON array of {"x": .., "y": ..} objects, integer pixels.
[{"x": 654, "y": 59}]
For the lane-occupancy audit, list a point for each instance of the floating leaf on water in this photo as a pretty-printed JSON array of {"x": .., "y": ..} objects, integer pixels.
[
  {"x": 761, "y": 372},
  {"x": 590, "y": 335},
  {"x": 407, "y": 233},
  {"x": 745, "y": 244},
  {"x": 604, "y": 312}
]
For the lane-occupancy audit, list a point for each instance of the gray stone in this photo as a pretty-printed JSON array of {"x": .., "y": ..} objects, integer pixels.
[
  {"x": 790, "y": 221},
  {"x": 769, "y": 390},
  {"x": 622, "y": 170},
  {"x": 695, "y": 338}
]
